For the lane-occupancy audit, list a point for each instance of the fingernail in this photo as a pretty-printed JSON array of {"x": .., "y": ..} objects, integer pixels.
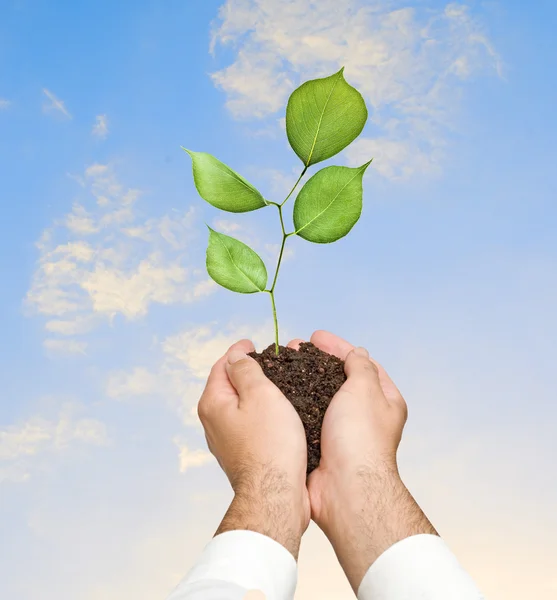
[
  {"x": 361, "y": 352},
  {"x": 235, "y": 356}
]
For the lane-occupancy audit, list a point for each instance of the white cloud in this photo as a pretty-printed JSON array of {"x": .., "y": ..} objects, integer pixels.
[
  {"x": 256, "y": 76},
  {"x": 130, "y": 292},
  {"x": 396, "y": 159},
  {"x": 104, "y": 259},
  {"x": 184, "y": 362},
  {"x": 199, "y": 348},
  {"x": 23, "y": 441},
  {"x": 191, "y": 458},
  {"x": 22, "y": 445},
  {"x": 80, "y": 222},
  {"x": 274, "y": 249},
  {"x": 75, "y": 326},
  {"x": 409, "y": 63},
  {"x": 87, "y": 431},
  {"x": 226, "y": 226},
  {"x": 137, "y": 382},
  {"x": 100, "y": 128},
  {"x": 64, "y": 347},
  {"x": 55, "y": 104},
  {"x": 281, "y": 183},
  {"x": 179, "y": 375},
  {"x": 4, "y": 104},
  {"x": 250, "y": 236},
  {"x": 97, "y": 169}
]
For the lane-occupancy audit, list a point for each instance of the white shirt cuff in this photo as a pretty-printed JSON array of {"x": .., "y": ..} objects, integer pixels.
[
  {"x": 248, "y": 559},
  {"x": 420, "y": 566}
]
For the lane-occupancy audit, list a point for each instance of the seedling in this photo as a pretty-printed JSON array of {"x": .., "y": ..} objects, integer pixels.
[{"x": 323, "y": 116}]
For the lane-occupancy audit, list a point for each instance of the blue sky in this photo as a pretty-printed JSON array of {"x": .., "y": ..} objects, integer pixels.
[{"x": 109, "y": 322}]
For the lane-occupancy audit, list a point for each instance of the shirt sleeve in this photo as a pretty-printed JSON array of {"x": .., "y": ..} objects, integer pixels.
[
  {"x": 236, "y": 562},
  {"x": 420, "y": 566}
]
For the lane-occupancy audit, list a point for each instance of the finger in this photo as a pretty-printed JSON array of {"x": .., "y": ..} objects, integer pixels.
[
  {"x": 245, "y": 374},
  {"x": 218, "y": 379},
  {"x": 328, "y": 342},
  {"x": 391, "y": 392},
  {"x": 362, "y": 375},
  {"x": 243, "y": 345},
  {"x": 295, "y": 344},
  {"x": 221, "y": 376},
  {"x": 218, "y": 389},
  {"x": 218, "y": 392},
  {"x": 331, "y": 343}
]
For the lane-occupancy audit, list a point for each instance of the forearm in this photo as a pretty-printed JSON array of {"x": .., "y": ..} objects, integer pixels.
[
  {"x": 267, "y": 505},
  {"x": 387, "y": 546},
  {"x": 254, "y": 548},
  {"x": 371, "y": 515}
]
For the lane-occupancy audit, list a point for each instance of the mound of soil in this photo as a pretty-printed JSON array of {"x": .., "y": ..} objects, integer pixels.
[{"x": 309, "y": 378}]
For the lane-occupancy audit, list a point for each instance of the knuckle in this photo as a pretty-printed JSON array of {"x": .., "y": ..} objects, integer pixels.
[
  {"x": 243, "y": 367},
  {"x": 243, "y": 372},
  {"x": 360, "y": 361},
  {"x": 402, "y": 408},
  {"x": 368, "y": 369},
  {"x": 204, "y": 407},
  {"x": 371, "y": 368},
  {"x": 255, "y": 387},
  {"x": 202, "y": 411}
]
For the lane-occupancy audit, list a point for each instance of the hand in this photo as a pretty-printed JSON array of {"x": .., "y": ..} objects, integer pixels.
[
  {"x": 356, "y": 494},
  {"x": 259, "y": 441},
  {"x": 363, "y": 424}
]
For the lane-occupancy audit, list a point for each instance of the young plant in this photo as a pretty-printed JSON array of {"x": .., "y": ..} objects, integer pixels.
[{"x": 323, "y": 116}]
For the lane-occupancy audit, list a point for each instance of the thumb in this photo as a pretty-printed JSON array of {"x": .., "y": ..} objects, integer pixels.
[
  {"x": 362, "y": 375},
  {"x": 244, "y": 373}
]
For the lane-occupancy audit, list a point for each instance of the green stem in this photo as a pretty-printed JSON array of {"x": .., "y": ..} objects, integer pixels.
[
  {"x": 295, "y": 186},
  {"x": 272, "y": 294},
  {"x": 285, "y": 235}
]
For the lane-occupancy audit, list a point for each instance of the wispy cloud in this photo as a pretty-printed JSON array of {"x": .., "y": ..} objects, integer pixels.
[
  {"x": 226, "y": 226},
  {"x": 409, "y": 63},
  {"x": 4, "y": 104},
  {"x": 103, "y": 258},
  {"x": 182, "y": 362},
  {"x": 188, "y": 458},
  {"x": 138, "y": 382},
  {"x": 56, "y": 347},
  {"x": 22, "y": 446},
  {"x": 55, "y": 104},
  {"x": 177, "y": 373},
  {"x": 100, "y": 128},
  {"x": 267, "y": 251}
]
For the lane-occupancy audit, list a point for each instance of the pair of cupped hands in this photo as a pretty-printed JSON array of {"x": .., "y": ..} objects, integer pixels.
[{"x": 259, "y": 441}]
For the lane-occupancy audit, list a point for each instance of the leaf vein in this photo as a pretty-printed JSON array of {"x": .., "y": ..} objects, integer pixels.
[
  {"x": 237, "y": 267},
  {"x": 332, "y": 201},
  {"x": 321, "y": 119},
  {"x": 237, "y": 178}
]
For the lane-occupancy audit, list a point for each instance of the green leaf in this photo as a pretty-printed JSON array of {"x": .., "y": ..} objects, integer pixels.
[
  {"x": 329, "y": 204},
  {"x": 323, "y": 116},
  {"x": 222, "y": 187},
  {"x": 234, "y": 265}
]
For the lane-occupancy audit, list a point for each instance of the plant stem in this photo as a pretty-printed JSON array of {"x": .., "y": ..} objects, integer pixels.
[
  {"x": 272, "y": 294},
  {"x": 295, "y": 186},
  {"x": 285, "y": 235}
]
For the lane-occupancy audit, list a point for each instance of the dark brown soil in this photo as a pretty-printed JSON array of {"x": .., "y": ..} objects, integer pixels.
[{"x": 309, "y": 378}]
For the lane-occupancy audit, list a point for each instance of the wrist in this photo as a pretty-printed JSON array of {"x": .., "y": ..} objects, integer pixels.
[
  {"x": 367, "y": 516},
  {"x": 272, "y": 508}
]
